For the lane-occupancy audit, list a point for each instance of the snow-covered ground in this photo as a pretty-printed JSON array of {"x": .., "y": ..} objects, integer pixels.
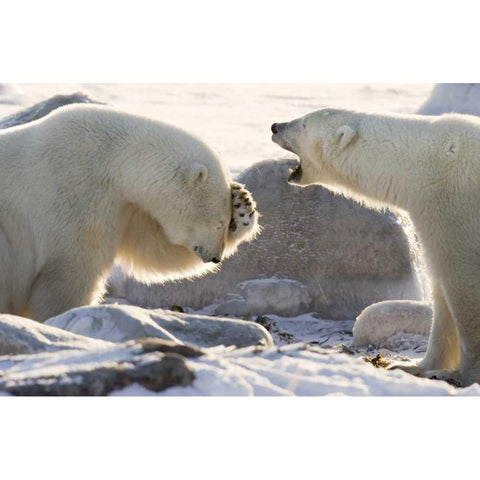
[{"x": 235, "y": 120}]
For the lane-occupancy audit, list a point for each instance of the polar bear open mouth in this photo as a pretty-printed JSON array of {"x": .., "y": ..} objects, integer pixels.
[
  {"x": 295, "y": 174},
  {"x": 276, "y": 138}
]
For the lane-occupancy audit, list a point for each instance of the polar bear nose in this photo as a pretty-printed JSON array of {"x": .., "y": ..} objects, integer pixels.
[
  {"x": 215, "y": 260},
  {"x": 274, "y": 128}
]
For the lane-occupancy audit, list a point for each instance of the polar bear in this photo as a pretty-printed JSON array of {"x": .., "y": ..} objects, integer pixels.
[
  {"x": 429, "y": 167},
  {"x": 88, "y": 185}
]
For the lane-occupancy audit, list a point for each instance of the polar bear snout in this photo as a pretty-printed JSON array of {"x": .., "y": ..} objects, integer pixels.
[
  {"x": 206, "y": 256},
  {"x": 280, "y": 133}
]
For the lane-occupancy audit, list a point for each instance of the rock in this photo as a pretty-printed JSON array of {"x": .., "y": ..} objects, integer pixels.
[
  {"x": 157, "y": 345},
  {"x": 125, "y": 322},
  {"x": 275, "y": 295},
  {"x": 346, "y": 256},
  {"x": 280, "y": 296},
  {"x": 115, "y": 323},
  {"x": 381, "y": 321},
  {"x": 22, "y": 336},
  {"x": 94, "y": 372},
  {"x": 42, "y": 109},
  {"x": 237, "y": 307}
]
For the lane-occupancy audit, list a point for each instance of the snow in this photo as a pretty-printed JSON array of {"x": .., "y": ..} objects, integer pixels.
[
  {"x": 309, "y": 357},
  {"x": 296, "y": 370}
]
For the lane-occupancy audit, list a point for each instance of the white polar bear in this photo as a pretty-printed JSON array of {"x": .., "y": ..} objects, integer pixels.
[
  {"x": 87, "y": 185},
  {"x": 429, "y": 167}
]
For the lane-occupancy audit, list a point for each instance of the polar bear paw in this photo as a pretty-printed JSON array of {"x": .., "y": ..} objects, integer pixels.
[
  {"x": 409, "y": 367},
  {"x": 452, "y": 377},
  {"x": 244, "y": 222}
]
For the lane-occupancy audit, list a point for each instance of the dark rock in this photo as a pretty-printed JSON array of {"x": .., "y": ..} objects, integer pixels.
[
  {"x": 42, "y": 109},
  {"x": 67, "y": 374}
]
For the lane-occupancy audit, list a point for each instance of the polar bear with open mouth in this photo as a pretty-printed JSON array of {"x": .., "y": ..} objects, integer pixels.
[{"x": 429, "y": 167}]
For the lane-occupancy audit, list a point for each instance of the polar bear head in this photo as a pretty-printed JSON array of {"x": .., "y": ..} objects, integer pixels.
[
  {"x": 201, "y": 215},
  {"x": 201, "y": 212},
  {"x": 316, "y": 138},
  {"x": 219, "y": 217}
]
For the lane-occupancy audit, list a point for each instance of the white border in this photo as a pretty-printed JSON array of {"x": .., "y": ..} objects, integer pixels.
[{"x": 255, "y": 41}]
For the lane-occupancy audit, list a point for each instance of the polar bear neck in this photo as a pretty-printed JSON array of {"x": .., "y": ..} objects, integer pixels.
[{"x": 380, "y": 166}]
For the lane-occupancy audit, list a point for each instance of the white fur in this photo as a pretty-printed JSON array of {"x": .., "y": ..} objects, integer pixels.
[
  {"x": 88, "y": 185},
  {"x": 430, "y": 167}
]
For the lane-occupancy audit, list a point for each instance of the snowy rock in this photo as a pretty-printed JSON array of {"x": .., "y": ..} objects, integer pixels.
[
  {"x": 95, "y": 371},
  {"x": 22, "y": 336},
  {"x": 270, "y": 295},
  {"x": 453, "y": 97},
  {"x": 275, "y": 295},
  {"x": 114, "y": 323},
  {"x": 346, "y": 255},
  {"x": 42, "y": 109},
  {"x": 237, "y": 307},
  {"x": 307, "y": 328},
  {"x": 124, "y": 322},
  {"x": 382, "y": 321}
]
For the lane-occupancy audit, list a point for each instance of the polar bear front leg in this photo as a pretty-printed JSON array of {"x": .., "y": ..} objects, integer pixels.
[
  {"x": 244, "y": 221},
  {"x": 59, "y": 287},
  {"x": 464, "y": 300},
  {"x": 443, "y": 351}
]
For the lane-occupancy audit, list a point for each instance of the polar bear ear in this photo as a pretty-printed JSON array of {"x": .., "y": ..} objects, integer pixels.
[
  {"x": 345, "y": 135},
  {"x": 198, "y": 174}
]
